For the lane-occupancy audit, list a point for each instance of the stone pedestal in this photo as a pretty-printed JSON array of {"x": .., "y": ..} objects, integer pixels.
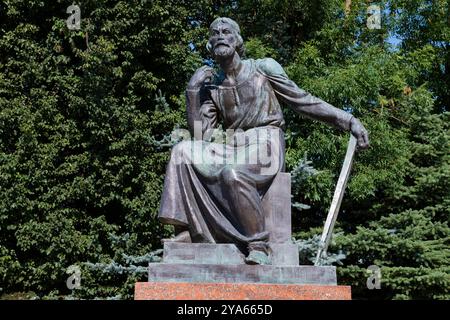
[
  {"x": 218, "y": 271},
  {"x": 281, "y": 254}
]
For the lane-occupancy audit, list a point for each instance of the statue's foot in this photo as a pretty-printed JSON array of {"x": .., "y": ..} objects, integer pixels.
[
  {"x": 257, "y": 257},
  {"x": 183, "y": 236}
]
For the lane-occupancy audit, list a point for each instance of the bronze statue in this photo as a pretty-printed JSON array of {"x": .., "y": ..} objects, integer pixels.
[{"x": 213, "y": 190}]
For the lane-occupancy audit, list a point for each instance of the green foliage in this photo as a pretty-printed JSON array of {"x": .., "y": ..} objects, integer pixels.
[
  {"x": 81, "y": 115},
  {"x": 85, "y": 120},
  {"x": 256, "y": 49},
  {"x": 308, "y": 252}
]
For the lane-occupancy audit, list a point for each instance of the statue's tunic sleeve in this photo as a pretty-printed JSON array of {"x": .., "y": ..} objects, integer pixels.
[
  {"x": 201, "y": 109},
  {"x": 209, "y": 115},
  {"x": 299, "y": 100}
]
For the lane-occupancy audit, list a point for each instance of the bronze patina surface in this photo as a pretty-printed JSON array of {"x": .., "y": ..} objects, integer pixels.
[{"x": 213, "y": 191}]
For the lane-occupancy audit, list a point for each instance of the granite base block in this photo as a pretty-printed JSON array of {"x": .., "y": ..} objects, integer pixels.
[{"x": 238, "y": 291}]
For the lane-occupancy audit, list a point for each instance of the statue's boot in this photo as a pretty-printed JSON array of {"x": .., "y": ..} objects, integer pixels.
[
  {"x": 183, "y": 236},
  {"x": 257, "y": 257}
]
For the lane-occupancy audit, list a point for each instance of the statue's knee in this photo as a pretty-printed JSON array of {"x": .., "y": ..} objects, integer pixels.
[
  {"x": 181, "y": 152},
  {"x": 229, "y": 175}
]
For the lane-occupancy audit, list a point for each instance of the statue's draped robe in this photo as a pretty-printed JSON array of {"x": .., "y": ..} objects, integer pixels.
[{"x": 215, "y": 189}]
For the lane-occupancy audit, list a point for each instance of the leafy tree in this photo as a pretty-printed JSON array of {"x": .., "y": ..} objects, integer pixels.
[
  {"x": 85, "y": 119},
  {"x": 82, "y": 116}
]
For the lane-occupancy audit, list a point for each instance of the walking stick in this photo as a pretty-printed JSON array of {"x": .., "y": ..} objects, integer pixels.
[{"x": 337, "y": 199}]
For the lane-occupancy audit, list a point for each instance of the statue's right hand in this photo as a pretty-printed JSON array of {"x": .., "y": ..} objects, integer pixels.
[{"x": 202, "y": 74}]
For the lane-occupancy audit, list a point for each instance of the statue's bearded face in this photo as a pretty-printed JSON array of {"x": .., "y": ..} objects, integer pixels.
[{"x": 223, "y": 40}]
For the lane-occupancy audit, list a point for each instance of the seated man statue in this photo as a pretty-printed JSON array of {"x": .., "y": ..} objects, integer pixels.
[{"x": 217, "y": 199}]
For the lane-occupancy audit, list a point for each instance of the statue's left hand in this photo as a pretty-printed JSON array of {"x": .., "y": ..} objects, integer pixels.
[{"x": 360, "y": 133}]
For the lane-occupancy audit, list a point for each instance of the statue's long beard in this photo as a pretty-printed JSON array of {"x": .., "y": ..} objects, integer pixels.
[{"x": 223, "y": 52}]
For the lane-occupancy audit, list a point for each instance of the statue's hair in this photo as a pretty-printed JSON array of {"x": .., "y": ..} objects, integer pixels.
[{"x": 240, "y": 49}]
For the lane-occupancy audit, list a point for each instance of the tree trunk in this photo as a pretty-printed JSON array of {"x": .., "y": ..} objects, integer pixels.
[{"x": 347, "y": 6}]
